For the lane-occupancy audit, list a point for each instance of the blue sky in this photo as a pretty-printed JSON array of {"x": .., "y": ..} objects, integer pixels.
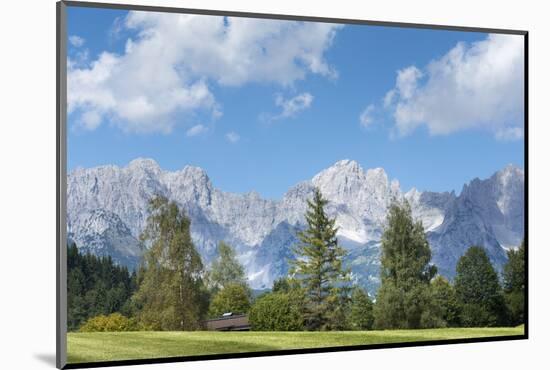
[{"x": 262, "y": 106}]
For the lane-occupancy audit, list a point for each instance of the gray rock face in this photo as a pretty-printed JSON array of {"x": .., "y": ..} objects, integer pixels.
[
  {"x": 103, "y": 233},
  {"x": 107, "y": 210},
  {"x": 488, "y": 213}
]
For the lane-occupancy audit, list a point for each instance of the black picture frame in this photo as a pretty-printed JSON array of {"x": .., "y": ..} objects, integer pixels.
[{"x": 61, "y": 185}]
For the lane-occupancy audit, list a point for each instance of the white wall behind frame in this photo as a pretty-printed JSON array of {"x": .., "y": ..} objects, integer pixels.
[{"x": 27, "y": 185}]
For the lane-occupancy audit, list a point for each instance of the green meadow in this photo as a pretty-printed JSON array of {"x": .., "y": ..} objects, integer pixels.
[{"x": 110, "y": 346}]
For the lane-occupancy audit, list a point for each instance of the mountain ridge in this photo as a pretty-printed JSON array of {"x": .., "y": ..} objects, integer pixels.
[{"x": 488, "y": 211}]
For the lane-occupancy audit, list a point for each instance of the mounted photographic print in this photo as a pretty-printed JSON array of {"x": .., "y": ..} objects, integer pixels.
[{"x": 235, "y": 184}]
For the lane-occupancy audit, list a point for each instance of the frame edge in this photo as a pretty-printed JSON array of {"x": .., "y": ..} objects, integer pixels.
[
  {"x": 289, "y": 17},
  {"x": 61, "y": 184}
]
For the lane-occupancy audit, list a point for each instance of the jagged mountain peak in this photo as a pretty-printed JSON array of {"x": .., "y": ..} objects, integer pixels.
[
  {"x": 344, "y": 170},
  {"x": 190, "y": 174},
  {"x": 413, "y": 195},
  {"x": 503, "y": 189},
  {"x": 194, "y": 171},
  {"x": 511, "y": 169},
  {"x": 347, "y": 164},
  {"x": 145, "y": 164},
  {"x": 351, "y": 165},
  {"x": 351, "y": 169},
  {"x": 502, "y": 177},
  {"x": 510, "y": 176},
  {"x": 377, "y": 172},
  {"x": 347, "y": 177},
  {"x": 263, "y": 231}
]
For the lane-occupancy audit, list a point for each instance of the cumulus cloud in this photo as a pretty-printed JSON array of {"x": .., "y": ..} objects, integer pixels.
[
  {"x": 196, "y": 130},
  {"x": 76, "y": 41},
  {"x": 170, "y": 64},
  {"x": 366, "y": 117},
  {"x": 232, "y": 137},
  {"x": 474, "y": 86}
]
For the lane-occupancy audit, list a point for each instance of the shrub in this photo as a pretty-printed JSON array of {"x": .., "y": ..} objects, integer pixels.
[
  {"x": 112, "y": 322},
  {"x": 232, "y": 298},
  {"x": 277, "y": 312},
  {"x": 400, "y": 308}
]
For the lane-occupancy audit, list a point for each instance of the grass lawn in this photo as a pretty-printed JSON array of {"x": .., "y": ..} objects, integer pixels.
[{"x": 91, "y": 347}]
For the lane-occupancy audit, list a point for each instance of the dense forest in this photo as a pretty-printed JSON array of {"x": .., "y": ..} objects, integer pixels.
[
  {"x": 95, "y": 286},
  {"x": 172, "y": 289}
]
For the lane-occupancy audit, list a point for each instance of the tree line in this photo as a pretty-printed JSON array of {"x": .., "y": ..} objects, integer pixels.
[
  {"x": 96, "y": 286},
  {"x": 172, "y": 289}
]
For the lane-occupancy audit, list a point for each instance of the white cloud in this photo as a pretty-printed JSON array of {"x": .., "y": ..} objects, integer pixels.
[
  {"x": 169, "y": 66},
  {"x": 136, "y": 96},
  {"x": 291, "y": 107},
  {"x": 196, "y": 130},
  {"x": 76, "y": 41},
  {"x": 366, "y": 117},
  {"x": 389, "y": 98},
  {"x": 474, "y": 86},
  {"x": 116, "y": 28},
  {"x": 233, "y": 137},
  {"x": 78, "y": 59},
  {"x": 90, "y": 120},
  {"x": 407, "y": 81},
  {"x": 509, "y": 134}
]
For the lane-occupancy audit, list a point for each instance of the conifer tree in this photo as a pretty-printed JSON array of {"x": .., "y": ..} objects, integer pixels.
[
  {"x": 95, "y": 286},
  {"x": 514, "y": 284},
  {"x": 319, "y": 267},
  {"x": 361, "y": 316},
  {"x": 405, "y": 272},
  {"x": 478, "y": 290},
  {"x": 171, "y": 291}
]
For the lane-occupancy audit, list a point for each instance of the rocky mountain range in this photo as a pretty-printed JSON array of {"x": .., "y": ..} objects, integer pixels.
[{"x": 107, "y": 210}]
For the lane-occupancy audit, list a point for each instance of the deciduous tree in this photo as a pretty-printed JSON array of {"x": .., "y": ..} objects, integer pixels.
[
  {"x": 225, "y": 269},
  {"x": 405, "y": 272},
  {"x": 232, "y": 298},
  {"x": 171, "y": 294}
]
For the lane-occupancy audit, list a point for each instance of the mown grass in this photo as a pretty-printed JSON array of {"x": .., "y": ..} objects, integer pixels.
[{"x": 92, "y": 347}]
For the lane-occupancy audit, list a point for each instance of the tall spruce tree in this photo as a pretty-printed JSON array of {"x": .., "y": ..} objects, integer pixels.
[
  {"x": 478, "y": 290},
  {"x": 319, "y": 268},
  {"x": 405, "y": 272},
  {"x": 514, "y": 284},
  {"x": 171, "y": 291}
]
